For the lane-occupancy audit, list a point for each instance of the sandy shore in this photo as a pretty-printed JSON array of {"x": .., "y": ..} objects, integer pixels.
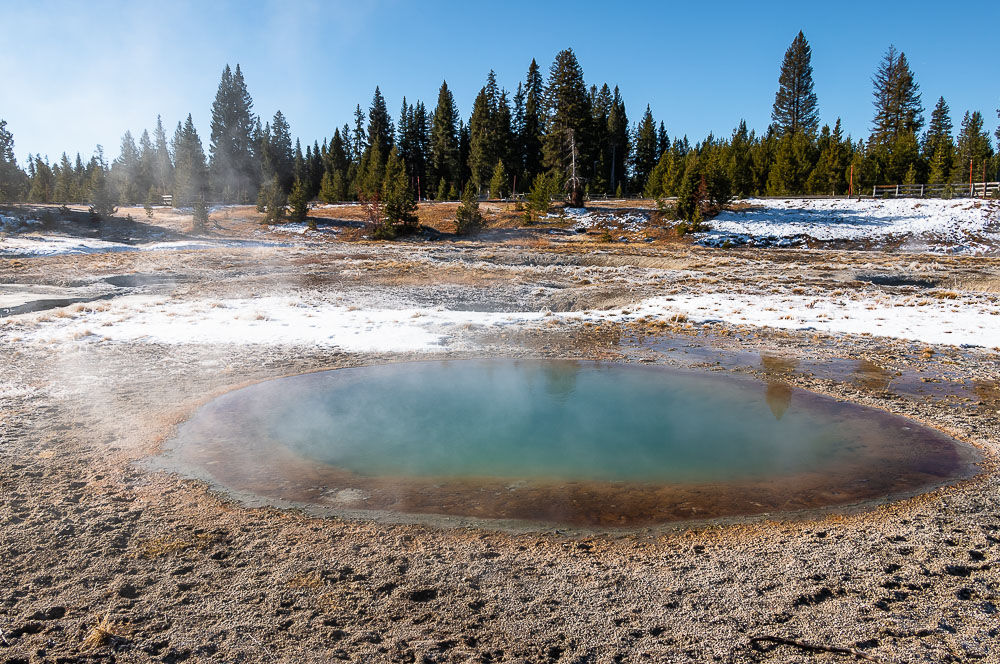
[{"x": 107, "y": 559}]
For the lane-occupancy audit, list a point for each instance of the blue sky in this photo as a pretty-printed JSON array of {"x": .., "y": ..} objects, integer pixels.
[{"x": 76, "y": 74}]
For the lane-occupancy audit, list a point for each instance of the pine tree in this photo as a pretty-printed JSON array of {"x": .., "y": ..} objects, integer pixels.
[
  {"x": 792, "y": 165},
  {"x": 468, "y": 218},
  {"x": 741, "y": 161},
  {"x": 569, "y": 115},
  {"x": 489, "y": 131},
  {"x": 359, "y": 140},
  {"x": 645, "y": 149},
  {"x": 327, "y": 194},
  {"x": 690, "y": 196},
  {"x": 125, "y": 169},
  {"x": 42, "y": 181},
  {"x": 279, "y": 156},
  {"x": 100, "y": 196},
  {"x": 480, "y": 152},
  {"x": 231, "y": 168},
  {"x": 898, "y": 109},
  {"x": 271, "y": 200},
  {"x": 147, "y": 165},
  {"x": 397, "y": 197},
  {"x": 530, "y": 138},
  {"x": 498, "y": 182},
  {"x": 299, "y": 200},
  {"x": 939, "y": 129},
  {"x": 200, "y": 216},
  {"x": 973, "y": 148},
  {"x": 444, "y": 137},
  {"x": 442, "y": 191},
  {"x": 380, "y": 129},
  {"x": 600, "y": 105},
  {"x": 163, "y": 167},
  {"x": 190, "y": 170},
  {"x": 619, "y": 145},
  {"x": 11, "y": 176},
  {"x": 64, "y": 181},
  {"x": 795, "y": 106}
]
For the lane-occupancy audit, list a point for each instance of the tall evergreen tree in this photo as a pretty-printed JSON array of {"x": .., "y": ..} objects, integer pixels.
[
  {"x": 232, "y": 171},
  {"x": 974, "y": 148},
  {"x": 11, "y": 176},
  {"x": 795, "y": 105},
  {"x": 740, "y": 164},
  {"x": 939, "y": 146},
  {"x": 489, "y": 132},
  {"x": 190, "y": 170},
  {"x": 279, "y": 156},
  {"x": 147, "y": 164},
  {"x": 43, "y": 181},
  {"x": 444, "y": 139},
  {"x": 397, "y": 196},
  {"x": 619, "y": 145},
  {"x": 569, "y": 119},
  {"x": 64, "y": 190},
  {"x": 646, "y": 147},
  {"x": 380, "y": 129},
  {"x": 124, "y": 171},
  {"x": 898, "y": 110},
  {"x": 163, "y": 166},
  {"x": 530, "y": 143},
  {"x": 359, "y": 139}
]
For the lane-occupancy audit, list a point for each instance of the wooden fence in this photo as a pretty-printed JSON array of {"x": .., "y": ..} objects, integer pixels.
[{"x": 973, "y": 190}]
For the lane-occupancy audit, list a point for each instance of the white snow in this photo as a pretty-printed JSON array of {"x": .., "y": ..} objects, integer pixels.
[
  {"x": 626, "y": 220},
  {"x": 12, "y": 224},
  {"x": 35, "y": 245},
  {"x": 268, "y": 320},
  {"x": 935, "y": 225},
  {"x": 966, "y": 320},
  {"x": 314, "y": 320},
  {"x": 9, "y": 390}
]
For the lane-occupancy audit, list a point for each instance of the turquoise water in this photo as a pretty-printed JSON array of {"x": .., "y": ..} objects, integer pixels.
[{"x": 578, "y": 440}]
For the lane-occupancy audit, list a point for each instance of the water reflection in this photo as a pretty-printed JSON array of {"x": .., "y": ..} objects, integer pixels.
[
  {"x": 560, "y": 379},
  {"x": 779, "y": 393},
  {"x": 871, "y": 376}
]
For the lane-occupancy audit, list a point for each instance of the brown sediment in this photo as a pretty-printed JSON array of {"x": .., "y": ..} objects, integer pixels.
[{"x": 91, "y": 536}]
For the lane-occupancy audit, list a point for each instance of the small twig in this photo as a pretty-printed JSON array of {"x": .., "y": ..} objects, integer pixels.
[
  {"x": 850, "y": 652},
  {"x": 4, "y": 638}
]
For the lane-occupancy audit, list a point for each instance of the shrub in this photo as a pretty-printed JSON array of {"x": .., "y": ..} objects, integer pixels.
[{"x": 468, "y": 218}]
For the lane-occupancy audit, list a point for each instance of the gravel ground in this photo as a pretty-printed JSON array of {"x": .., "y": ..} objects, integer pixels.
[{"x": 106, "y": 559}]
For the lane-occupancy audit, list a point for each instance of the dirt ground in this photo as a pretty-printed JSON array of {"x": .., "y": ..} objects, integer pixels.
[{"x": 106, "y": 559}]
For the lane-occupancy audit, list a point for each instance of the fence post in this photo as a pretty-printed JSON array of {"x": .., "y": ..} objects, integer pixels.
[{"x": 874, "y": 188}]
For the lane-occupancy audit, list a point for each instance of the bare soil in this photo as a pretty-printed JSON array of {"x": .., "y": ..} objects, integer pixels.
[{"x": 106, "y": 559}]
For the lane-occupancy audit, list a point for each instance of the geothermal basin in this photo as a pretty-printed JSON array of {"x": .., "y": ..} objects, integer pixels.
[{"x": 573, "y": 443}]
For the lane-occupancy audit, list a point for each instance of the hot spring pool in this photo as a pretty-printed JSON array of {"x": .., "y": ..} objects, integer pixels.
[{"x": 570, "y": 442}]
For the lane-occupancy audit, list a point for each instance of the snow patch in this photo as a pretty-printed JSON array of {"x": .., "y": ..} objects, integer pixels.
[
  {"x": 25, "y": 246},
  {"x": 970, "y": 320},
  {"x": 587, "y": 218},
  {"x": 927, "y": 225}
]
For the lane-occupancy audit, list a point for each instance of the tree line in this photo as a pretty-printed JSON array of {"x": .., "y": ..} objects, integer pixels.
[{"x": 548, "y": 135}]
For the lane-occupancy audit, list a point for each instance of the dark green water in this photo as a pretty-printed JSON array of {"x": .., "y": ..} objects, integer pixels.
[{"x": 428, "y": 424}]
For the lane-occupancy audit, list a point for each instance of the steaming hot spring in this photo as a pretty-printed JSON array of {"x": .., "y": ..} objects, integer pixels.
[{"x": 586, "y": 444}]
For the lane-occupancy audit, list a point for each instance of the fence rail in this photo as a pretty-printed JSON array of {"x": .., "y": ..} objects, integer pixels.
[{"x": 973, "y": 190}]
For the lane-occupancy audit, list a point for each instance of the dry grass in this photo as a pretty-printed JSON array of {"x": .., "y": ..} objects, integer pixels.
[
  {"x": 101, "y": 633},
  {"x": 158, "y": 547},
  {"x": 309, "y": 580}
]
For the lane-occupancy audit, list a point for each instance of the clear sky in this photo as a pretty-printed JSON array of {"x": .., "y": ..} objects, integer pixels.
[{"x": 75, "y": 74}]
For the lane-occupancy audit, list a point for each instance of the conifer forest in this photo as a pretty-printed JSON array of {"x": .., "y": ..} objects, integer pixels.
[{"x": 511, "y": 140}]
